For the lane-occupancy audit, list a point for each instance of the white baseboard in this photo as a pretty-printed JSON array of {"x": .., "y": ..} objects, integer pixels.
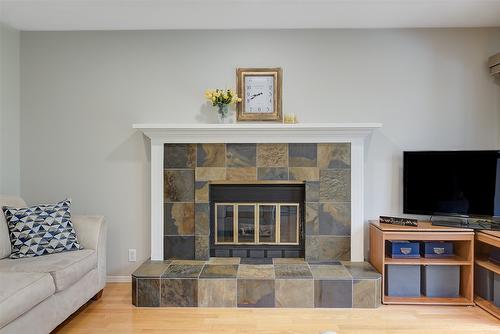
[{"x": 118, "y": 279}]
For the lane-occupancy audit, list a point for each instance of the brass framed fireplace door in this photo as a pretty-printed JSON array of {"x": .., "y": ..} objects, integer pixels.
[{"x": 257, "y": 223}]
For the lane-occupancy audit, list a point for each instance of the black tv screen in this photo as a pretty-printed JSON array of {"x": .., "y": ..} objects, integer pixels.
[{"x": 452, "y": 183}]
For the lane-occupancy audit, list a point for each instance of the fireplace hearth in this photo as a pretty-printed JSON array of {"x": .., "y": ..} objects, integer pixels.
[{"x": 261, "y": 220}]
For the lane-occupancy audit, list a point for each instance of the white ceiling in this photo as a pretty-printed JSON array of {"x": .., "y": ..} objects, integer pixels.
[{"x": 246, "y": 14}]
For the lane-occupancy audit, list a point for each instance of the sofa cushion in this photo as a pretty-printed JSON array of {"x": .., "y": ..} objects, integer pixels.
[
  {"x": 41, "y": 229},
  {"x": 20, "y": 292},
  {"x": 4, "y": 231},
  {"x": 66, "y": 268}
]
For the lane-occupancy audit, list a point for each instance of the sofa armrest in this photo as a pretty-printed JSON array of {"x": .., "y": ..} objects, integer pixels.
[
  {"x": 88, "y": 229},
  {"x": 91, "y": 233}
]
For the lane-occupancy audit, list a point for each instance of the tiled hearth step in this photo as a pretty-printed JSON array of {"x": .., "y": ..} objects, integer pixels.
[{"x": 224, "y": 282}]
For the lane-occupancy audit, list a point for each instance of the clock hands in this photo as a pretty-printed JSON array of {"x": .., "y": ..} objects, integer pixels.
[{"x": 255, "y": 95}]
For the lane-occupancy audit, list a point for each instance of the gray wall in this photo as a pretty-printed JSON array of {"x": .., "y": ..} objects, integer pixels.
[
  {"x": 81, "y": 92},
  {"x": 9, "y": 111}
]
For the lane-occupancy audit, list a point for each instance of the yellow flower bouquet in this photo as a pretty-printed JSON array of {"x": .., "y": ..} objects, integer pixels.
[{"x": 222, "y": 98}]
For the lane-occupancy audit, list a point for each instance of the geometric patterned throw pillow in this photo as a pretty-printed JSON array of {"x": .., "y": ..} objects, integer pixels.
[{"x": 41, "y": 230}]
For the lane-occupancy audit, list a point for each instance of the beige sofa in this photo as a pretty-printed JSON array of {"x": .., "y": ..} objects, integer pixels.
[{"x": 38, "y": 293}]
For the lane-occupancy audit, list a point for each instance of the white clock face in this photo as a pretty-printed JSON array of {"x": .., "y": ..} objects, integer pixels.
[{"x": 259, "y": 94}]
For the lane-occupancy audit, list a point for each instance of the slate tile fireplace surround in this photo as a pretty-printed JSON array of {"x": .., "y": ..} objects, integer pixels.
[
  {"x": 275, "y": 251},
  {"x": 260, "y": 152},
  {"x": 191, "y": 171}
]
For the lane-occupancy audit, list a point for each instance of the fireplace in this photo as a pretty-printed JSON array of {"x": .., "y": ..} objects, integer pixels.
[
  {"x": 263, "y": 220},
  {"x": 328, "y": 158}
]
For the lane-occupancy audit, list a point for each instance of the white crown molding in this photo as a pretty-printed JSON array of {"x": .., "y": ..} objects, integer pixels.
[{"x": 353, "y": 133}]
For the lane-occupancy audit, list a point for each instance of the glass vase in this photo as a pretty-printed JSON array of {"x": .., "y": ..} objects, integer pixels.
[{"x": 223, "y": 113}]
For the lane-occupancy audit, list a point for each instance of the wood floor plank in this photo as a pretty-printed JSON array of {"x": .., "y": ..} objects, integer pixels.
[{"x": 114, "y": 313}]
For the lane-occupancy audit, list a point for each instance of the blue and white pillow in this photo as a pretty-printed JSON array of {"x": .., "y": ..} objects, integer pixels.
[{"x": 41, "y": 230}]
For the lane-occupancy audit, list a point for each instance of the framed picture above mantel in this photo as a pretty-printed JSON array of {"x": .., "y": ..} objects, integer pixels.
[{"x": 260, "y": 90}]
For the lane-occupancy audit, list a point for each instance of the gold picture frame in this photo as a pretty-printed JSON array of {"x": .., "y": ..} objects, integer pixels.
[{"x": 277, "y": 74}]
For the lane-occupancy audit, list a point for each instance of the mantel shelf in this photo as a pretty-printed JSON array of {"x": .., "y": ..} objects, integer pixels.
[{"x": 257, "y": 132}]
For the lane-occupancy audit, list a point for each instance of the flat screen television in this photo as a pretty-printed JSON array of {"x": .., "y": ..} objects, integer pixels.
[{"x": 452, "y": 183}]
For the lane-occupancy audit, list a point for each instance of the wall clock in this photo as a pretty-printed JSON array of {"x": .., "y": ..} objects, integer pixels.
[{"x": 260, "y": 90}]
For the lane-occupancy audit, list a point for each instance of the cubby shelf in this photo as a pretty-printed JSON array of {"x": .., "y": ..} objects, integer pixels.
[
  {"x": 427, "y": 300},
  {"x": 462, "y": 238},
  {"x": 485, "y": 240},
  {"x": 487, "y": 306},
  {"x": 485, "y": 263},
  {"x": 449, "y": 261}
]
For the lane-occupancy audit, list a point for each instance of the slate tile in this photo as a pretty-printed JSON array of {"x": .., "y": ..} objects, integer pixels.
[
  {"x": 294, "y": 293},
  {"x": 179, "y": 247},
  {"x": 134, "y": 291},
  {"x": 327, "y": 248},
  {"x": 151, "y": 269},
  {"x": 179, "y": 156},
  {"x": 292, "y": 271},
  {"x": 224, "y": 260},
  {"x": 303, "y": 173},
  {"x": 255, "y": 293},
  {"x": 148, "y": 292},
  {"x": 211, "y": 155},
  {"x": 202, "y": 219},
  {"x": 335, "y": 219},
  {"x": 179, "y": 292},
  {"x": 289, "y": 260},
  {"x": 241, "y": 155},
  {"x": 217, "y": 293},
  {"x": 201, "y": 191},
  {"x": 302, "y": 155},
  {"x": 183, "y": 270},
  {"x": 334, "y": 155},
  {"x": 335, "y": 185},
  {"x": 272, "y": 155},
  {"x": 210, "y": 173},
  {"x": 241, "y": 174},
  {"x": 219, "y": 271},
  {"x": 179, "y": 185},
  {"x": 312, "y": 191},
  {"x": 330, "y": 272},
  {"x": 189, "y": 262},
  {"x": 312, "y": 248},
  {"x": 256, "y": 272},
  {"x": 335, "y": 248},
  {"x": 333, "y": 293},
  {"x": 365, "y": 293},
  {"x": 312, "y": 219},
  {"x": 361, "y": 270},
  {"x": 201, "y": 244},
  {"x": 272, "y": 173},
  {"x": 179, "y": 219}
]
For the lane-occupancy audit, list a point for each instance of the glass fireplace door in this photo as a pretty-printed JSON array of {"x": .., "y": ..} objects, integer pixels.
[
  {"x": 246, "y": 223},
  {"x": 224, "y": 223},
  {"x": 267, "y": 223},
  {"x": 257, "y": 223},
  {"x": 289, "y": 223}
]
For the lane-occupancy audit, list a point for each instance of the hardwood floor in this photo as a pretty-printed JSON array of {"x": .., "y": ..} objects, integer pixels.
[{"x": 114, "y": 313}]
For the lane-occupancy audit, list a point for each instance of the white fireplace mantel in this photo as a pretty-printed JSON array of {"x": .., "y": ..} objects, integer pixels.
[{"x": 354, "y": 133}]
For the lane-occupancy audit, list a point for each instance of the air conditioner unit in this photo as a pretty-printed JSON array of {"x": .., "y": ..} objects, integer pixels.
[{"x": 494, "y": 64}]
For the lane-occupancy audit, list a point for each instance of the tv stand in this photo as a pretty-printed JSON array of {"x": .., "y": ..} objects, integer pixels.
[
  {"x": 463, "y": 242},
  {"x": 475, "y": 224}
]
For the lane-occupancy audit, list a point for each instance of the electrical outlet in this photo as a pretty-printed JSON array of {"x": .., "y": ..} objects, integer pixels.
[{"x": 132, "y": 255}]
